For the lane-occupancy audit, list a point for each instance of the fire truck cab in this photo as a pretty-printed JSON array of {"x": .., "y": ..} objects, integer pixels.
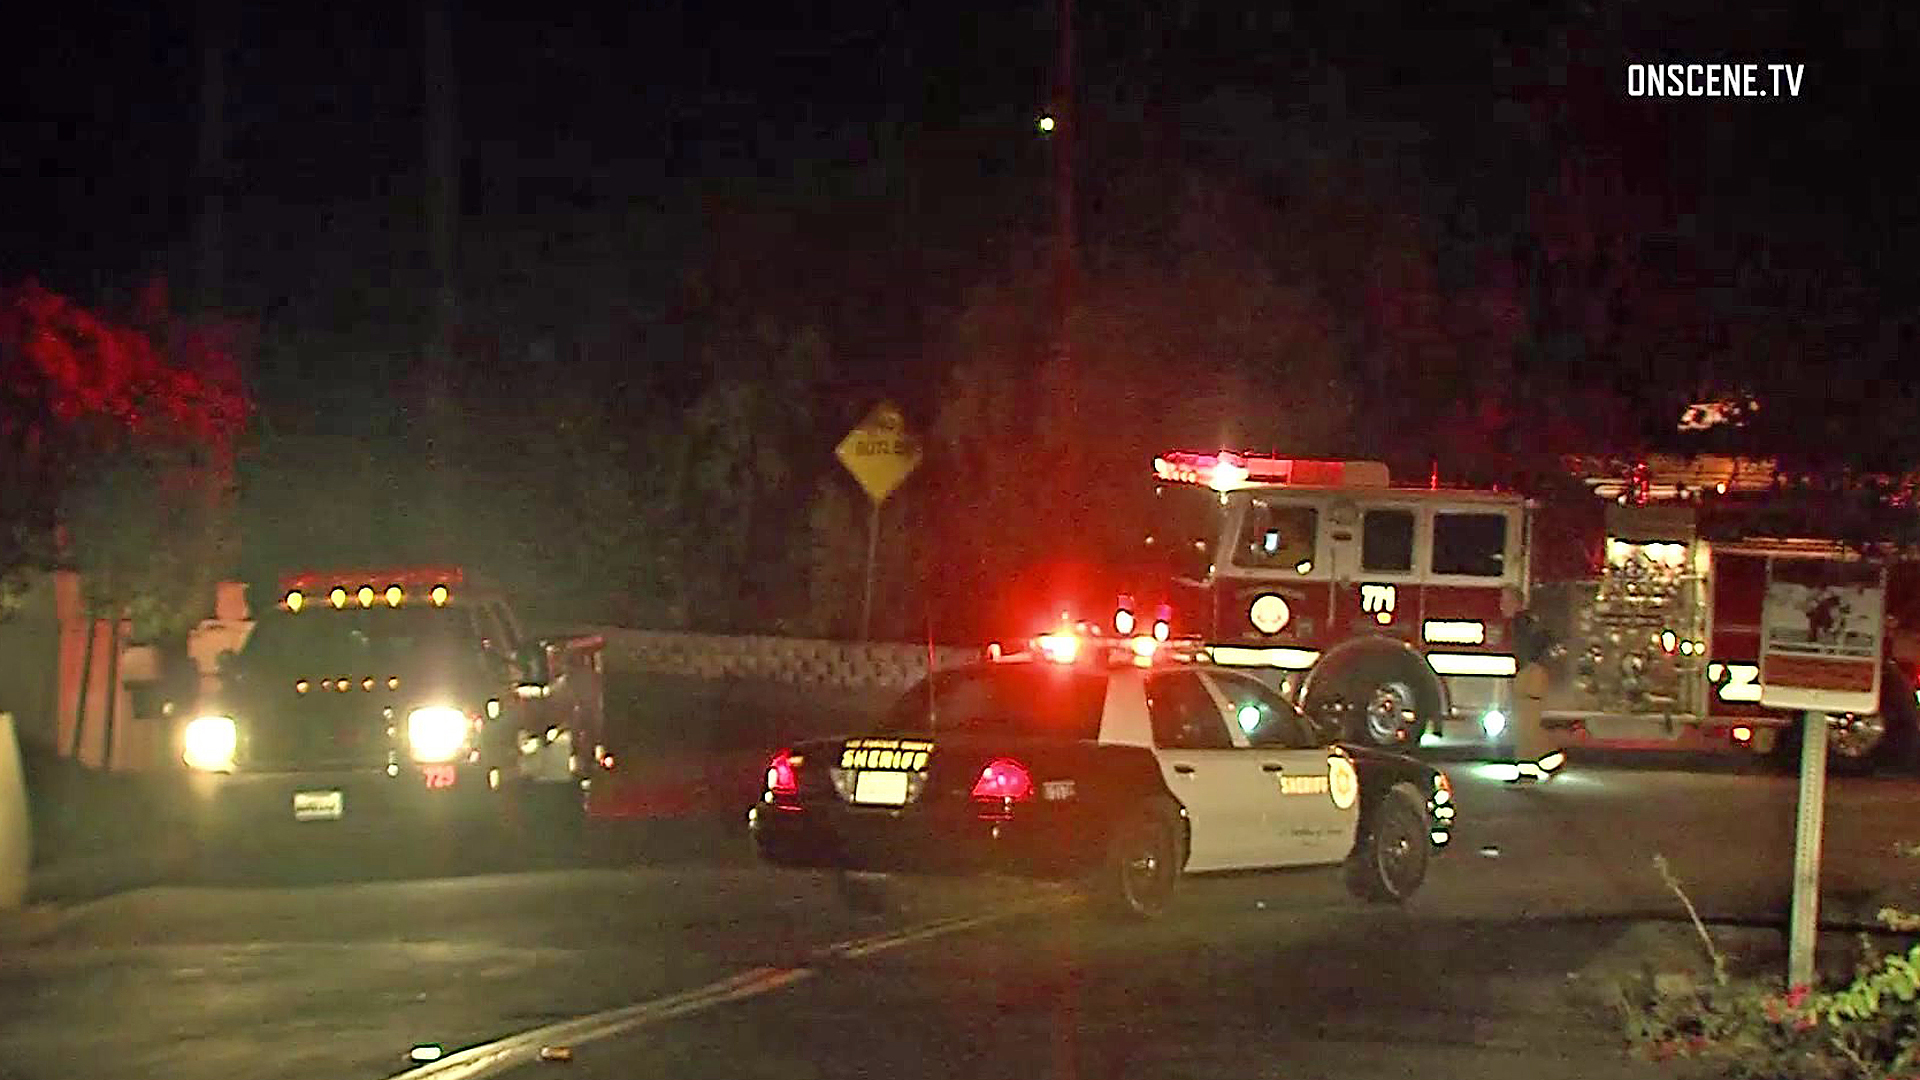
[{"x": 1383, "y": 611}]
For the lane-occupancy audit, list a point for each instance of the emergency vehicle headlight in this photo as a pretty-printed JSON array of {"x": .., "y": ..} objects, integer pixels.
[
  {"x": 209, "y": 743},
  {"x": 436, "y": 733}
]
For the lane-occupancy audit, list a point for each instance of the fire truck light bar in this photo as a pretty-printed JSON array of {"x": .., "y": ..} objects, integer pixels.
[
  {"x": 408, "y": 577},
  {"x": 1228, "y": 471}
]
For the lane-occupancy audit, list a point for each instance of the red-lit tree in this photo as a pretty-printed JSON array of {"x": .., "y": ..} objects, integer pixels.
[{"x": 118, "y": 439}]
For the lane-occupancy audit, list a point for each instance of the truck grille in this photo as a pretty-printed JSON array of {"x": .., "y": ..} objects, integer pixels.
[{"x": 317, "y": 735}]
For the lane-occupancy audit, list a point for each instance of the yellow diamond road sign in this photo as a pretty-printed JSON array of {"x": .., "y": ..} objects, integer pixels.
[{"x": 881, "y": 452}]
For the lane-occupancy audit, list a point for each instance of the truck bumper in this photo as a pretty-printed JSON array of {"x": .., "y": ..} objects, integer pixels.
[
  {"x": 239, "y": 809},
  {"x": 1056, "y": 846}
]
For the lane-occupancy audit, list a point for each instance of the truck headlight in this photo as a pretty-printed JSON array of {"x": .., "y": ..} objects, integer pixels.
[
  {"x": 209, "y": 743},
  {"x": 436, "y": 733}
]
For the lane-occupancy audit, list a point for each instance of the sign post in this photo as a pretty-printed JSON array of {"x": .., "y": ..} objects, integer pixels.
[
  {"x": 880, "y": 453},
  {"x": 1820, "y": 649}
]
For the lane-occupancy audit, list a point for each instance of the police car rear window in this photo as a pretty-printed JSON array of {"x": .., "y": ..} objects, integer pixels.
[{"x": 1025, "y": 700}]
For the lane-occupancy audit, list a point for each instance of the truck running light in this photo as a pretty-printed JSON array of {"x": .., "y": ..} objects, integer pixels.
[
  {"x": 781, "y": 777},
  {"x": 1003, "y": 779}
]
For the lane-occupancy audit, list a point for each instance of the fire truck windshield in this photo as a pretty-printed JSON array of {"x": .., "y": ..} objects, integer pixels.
[
  {"x": 1185, "y": 529},
  {"x": 1277, "y": 536},
  {"x": 326, "y": 640}
]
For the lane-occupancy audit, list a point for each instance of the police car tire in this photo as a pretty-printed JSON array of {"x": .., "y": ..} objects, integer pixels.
[
  {"x": 1390, "y": 862},
  {"x": 1150, "y": 832}
]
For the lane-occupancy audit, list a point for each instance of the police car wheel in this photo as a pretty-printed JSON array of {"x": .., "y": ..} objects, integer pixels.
[
  {"x": 1142, "y": 865},
  {"x": 1390, "y": 862}
]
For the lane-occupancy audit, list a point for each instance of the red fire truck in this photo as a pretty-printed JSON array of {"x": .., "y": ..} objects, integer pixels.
[
  {"x": 1661, "y": 633},
  {"x": 1387, "y": 611},
  {"x": 1383, "y": 610}
]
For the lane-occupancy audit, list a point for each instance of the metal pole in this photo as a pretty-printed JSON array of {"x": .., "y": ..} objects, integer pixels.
[
  {"x": 873, "y": 546},
  {"x": 1805, "y": 923}
]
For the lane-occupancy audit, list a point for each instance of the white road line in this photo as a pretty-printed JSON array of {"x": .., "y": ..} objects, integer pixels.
[{"x": 514, "y": 1051}]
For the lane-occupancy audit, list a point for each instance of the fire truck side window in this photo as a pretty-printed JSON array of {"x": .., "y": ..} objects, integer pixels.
[
  {"x": 1471, "y": 545},
  {"x": 1277, "y": 536},
  {"x": 1386, "y": 541}
]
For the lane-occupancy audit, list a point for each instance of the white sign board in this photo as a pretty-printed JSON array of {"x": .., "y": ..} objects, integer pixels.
[{"x": 1820, "y": 635}]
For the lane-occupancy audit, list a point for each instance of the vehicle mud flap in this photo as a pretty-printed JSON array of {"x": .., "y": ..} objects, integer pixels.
[{"x": 543, "y": 824}]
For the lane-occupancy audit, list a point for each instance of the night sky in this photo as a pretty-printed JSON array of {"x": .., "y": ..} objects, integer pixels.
[{"x": 638, "y": 113}]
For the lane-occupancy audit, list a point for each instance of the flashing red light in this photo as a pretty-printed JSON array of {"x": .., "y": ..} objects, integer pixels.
[
  {"x": 1003, "y": 779},
  {"x": 438, "y": 776},
  {"x": 781, "y": 777},
  {"x": 1060, "y": 648}
]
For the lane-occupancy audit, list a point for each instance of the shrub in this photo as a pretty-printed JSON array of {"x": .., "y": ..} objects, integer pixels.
[{"x": 1751, "y": 1029}]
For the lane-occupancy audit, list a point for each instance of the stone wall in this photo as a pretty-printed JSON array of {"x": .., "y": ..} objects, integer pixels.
[{"x": 842, "y": 664}]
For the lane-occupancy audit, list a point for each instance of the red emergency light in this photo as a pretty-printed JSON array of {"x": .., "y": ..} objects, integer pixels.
[{"x": 1229, "y": 471}]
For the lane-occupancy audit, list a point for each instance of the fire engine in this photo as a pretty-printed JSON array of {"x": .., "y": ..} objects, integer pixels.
[
  {"x": 1661, "y": 635},
  {"x": 1387, "y": 611},
  {"x": 1384, "y": 611}
]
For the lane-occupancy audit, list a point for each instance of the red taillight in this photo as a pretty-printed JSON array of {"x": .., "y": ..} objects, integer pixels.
[
  {"x": 1003, "y": 778},
  {"x": 781, "y": 778}
]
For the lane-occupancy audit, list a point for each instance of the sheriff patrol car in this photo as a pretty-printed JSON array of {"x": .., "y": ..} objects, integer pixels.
[{"x": 1119, "y": 764}]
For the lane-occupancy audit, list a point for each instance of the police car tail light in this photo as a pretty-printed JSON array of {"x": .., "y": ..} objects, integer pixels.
[
  {"x": 1061, "y": 648},
  {"x": 1003, "y": 779},
  {"x": 782, "y": 779}
]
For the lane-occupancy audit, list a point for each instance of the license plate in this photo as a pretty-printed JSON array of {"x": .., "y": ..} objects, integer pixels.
[
  {"x": 318, "y": 805},
  {"x": 881, "y": 788}
]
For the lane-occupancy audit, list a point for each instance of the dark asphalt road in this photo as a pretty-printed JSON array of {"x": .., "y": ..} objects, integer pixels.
[{"x": 1277, "y": 975}]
